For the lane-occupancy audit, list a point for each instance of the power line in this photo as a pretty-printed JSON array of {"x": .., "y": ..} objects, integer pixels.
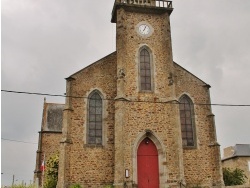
[
  {"x": 18, "y": 141},
  {"x": 169, "y": 102},
  {"x": 31, "y": 93}
]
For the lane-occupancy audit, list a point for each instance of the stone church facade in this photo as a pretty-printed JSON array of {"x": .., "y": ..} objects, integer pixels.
[{"x": 133, "y": 118}]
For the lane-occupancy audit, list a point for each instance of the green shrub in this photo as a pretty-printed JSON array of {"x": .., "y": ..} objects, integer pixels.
[
  {"x": 51, "y": 171},
  {"x": 233, "y": 177},
  {"x": 75, "y": 186},
  {"x": 108, "y": 186},
  {"x": 50, "y": 183}
]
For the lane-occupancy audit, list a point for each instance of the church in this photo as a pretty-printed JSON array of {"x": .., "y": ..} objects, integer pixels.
[{"x": 135, "y": 118}]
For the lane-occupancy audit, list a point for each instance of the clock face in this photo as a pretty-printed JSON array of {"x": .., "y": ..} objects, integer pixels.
[{"x": 144, "y": 29}]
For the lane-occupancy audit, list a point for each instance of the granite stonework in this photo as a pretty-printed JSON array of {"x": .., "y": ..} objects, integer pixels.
[{"x": 130, "y": 114}]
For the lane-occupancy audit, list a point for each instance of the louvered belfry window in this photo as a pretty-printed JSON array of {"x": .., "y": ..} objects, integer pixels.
[
  {"x": 145, "y": 70},
  {"x": 187, "y": 127},
  {"x": 95, "y": 119}
]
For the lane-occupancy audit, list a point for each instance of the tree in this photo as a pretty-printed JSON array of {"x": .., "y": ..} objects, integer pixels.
[
  {"x": 51, "y": 172},
  {"x": 233, "y": 177}
]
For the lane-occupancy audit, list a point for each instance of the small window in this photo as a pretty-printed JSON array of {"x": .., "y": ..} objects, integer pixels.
[
  {"x": 95, "y": 119},
  {"x": 187, "y": 124},
  {"x": 145, "y": 71}
]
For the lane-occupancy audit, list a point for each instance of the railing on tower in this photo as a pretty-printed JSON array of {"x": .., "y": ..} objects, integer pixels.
[
  {"x": 164, "y": 3},
  {"x": 157, "y": 3}
]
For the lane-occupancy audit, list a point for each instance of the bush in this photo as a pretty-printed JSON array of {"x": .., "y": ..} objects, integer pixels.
[
  {"x": 233, "y": 177},
  {"x": 51, "y": 172},
  {"x": 50, "y": 183},
  {"x": 109, "y": 186},
  {"x": 76, "y": 186}
]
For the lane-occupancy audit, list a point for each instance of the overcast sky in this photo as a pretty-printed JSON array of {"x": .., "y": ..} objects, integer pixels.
[{"x": 45, "y": 41}]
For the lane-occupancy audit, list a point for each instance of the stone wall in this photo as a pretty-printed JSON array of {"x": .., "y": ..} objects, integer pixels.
[
  {"x": 129, "y": 44},
  {"x": 142, "y": 111},
  {"x": 228, "y": 152},
  {"x": 88, "y": 165},
  {"x": 50, "y": 144},
  {"x": 202, "y": 163}
]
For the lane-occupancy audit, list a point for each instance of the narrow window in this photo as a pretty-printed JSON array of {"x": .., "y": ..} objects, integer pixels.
[
  {"x": 145, "y": 70},
  {"x": 187, "y": 124},
  {"x": 95, "y": 119}
]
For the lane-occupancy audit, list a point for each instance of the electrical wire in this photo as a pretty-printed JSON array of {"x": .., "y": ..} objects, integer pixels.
[
  {"x": 169, "y": 102},
  {"x": 18, "y": 141}
]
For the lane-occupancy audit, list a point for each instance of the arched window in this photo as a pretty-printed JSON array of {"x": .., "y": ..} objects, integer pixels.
[
  {"x": 95, "y": 107},
  {"x": 187, "y": 121},
  {"x": 145, "y": 71}
]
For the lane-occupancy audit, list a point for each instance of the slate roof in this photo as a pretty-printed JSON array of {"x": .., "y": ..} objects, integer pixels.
[
  {"x": 240, "y": 150},
  {"x": 52, "y": 117}
]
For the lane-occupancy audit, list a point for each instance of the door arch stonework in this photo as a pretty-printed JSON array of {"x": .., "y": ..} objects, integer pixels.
[{"x": 161, "y": 157}]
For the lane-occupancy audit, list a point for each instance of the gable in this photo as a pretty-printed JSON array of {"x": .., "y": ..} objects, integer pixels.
[
  {"x": 103, "y": 61},
  {"x": 185, "y": 72}
]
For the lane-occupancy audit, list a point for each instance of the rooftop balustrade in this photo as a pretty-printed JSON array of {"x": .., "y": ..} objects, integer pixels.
[
  {"x": 156, "y": 3},
  {"x": 159, "y": 6}
]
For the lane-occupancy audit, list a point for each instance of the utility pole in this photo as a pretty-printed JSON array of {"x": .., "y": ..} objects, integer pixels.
[{"x": 13, "y": 180}]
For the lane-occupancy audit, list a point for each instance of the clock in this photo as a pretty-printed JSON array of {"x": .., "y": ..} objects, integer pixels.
[{"x": 144, "y": 29}]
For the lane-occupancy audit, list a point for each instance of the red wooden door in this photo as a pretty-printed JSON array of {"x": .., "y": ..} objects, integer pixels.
[{"x": 147, "y": 165}]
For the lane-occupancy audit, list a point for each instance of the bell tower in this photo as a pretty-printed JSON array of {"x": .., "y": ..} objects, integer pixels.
[
  {"x": 145, "y": 87},
  {"x": 143, "y": 24}
]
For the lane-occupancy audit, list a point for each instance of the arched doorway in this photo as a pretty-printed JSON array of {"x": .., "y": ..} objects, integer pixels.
[{"x": 147, "y": 164}]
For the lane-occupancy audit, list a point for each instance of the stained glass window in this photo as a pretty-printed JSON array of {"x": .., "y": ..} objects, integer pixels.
[
  {"x": 95, "y": 119},
  {"x": 187, "y": 127},
  {"x": 145, "y": 70}
]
